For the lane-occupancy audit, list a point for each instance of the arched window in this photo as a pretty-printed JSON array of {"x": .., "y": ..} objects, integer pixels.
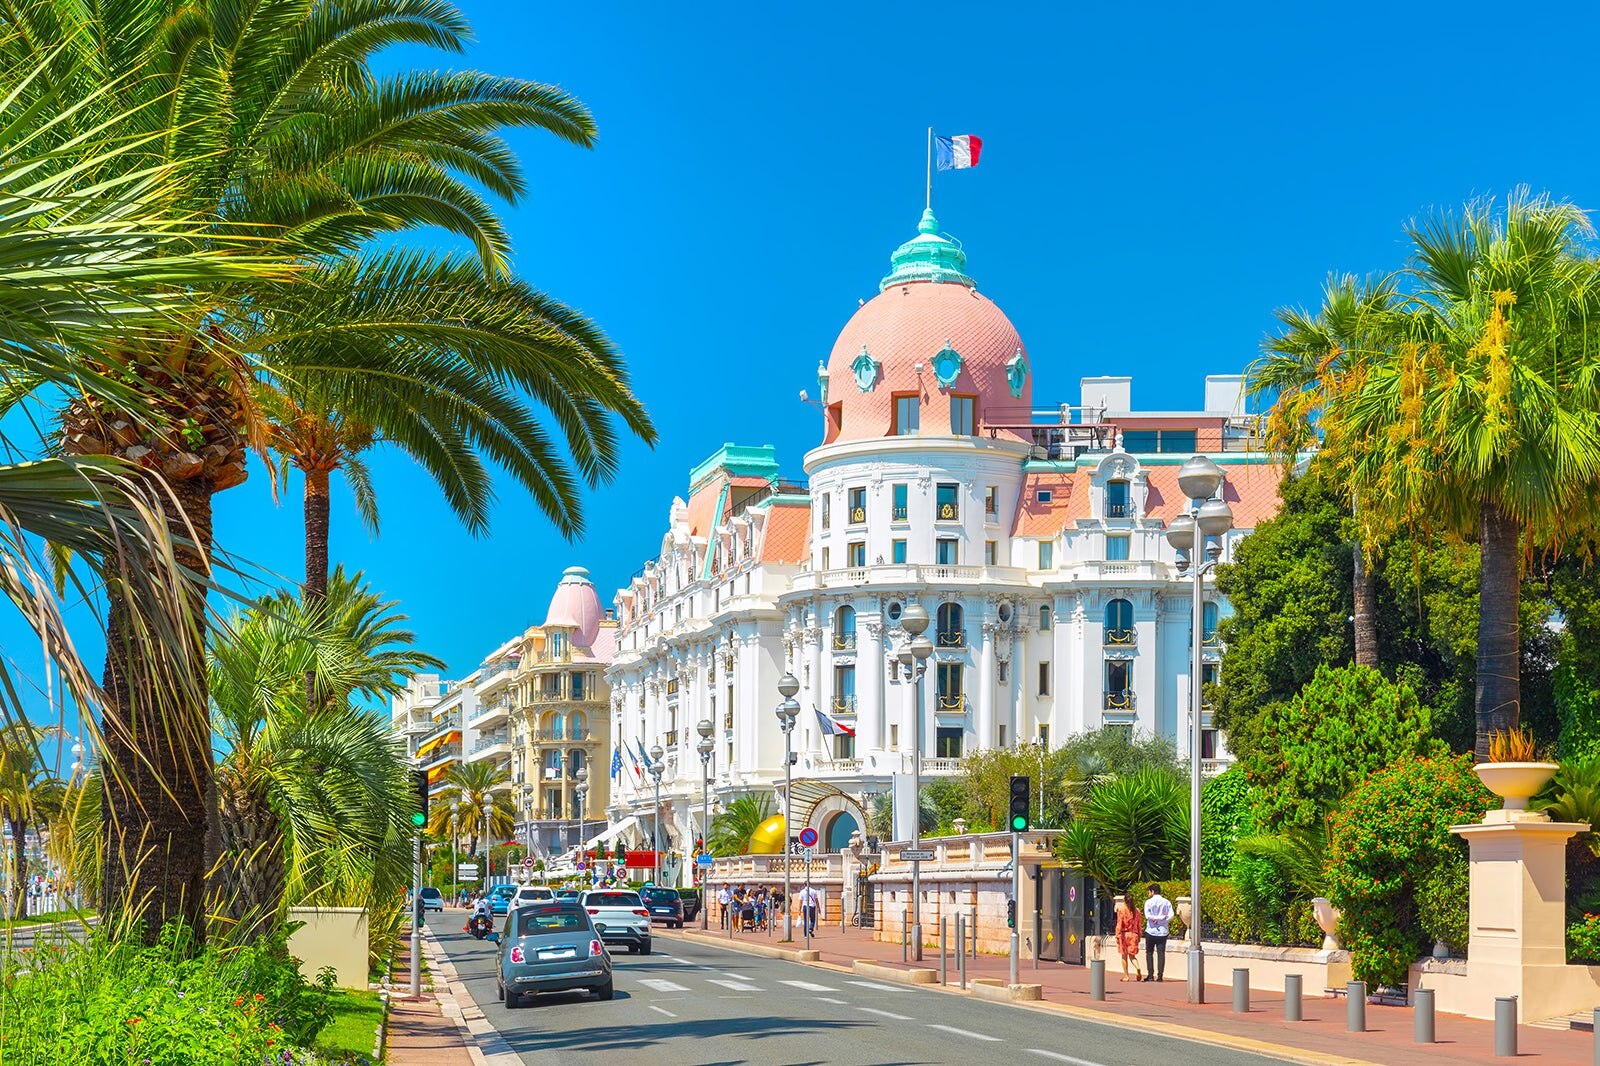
[
  {"x": 577, "y": 726},
  {"x": 840, "y": 830},
  {"x": 1044, "y": 618},
  {"x": 1208, "y": 618},
  {"x": 1117, "y": 503},
  {"x": 951, "y": 634},
  {"x": 552, "y": 764},
  {"x": 1119, "y": 622},
  {"x": 552, "y": 726},
  {"x": 844, "y": 628}
]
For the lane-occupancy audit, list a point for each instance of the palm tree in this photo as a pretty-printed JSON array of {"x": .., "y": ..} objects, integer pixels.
[
  {"x": 284, "y": 131},
  {"x": 309, "y": 793},
  {"x": 1130, "y": 830},
  {"x": 1480, "y": 414},
  {"x": 29, "y": 796},
  {"x": 1314, "y": 355},
  {"x": 734, "y": 825},
  {"x": 474, "y": 785}
]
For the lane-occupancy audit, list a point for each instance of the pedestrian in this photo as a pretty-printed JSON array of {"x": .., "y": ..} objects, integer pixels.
[
  {"x": 1130, "y": 924},
  {"x": 759, "y": 901},
  {"x": 810, "y": 901},
  {"x": 1157, "y": 920},
  {"x": 724, "y": 898}
]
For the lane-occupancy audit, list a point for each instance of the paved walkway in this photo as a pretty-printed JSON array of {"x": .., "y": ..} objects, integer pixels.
[
  {"x": 1321, "y": 1037},
  {"x": 420, "y": 1033}
]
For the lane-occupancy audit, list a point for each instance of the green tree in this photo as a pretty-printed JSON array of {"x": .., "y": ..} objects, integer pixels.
[
  {"x": 1226, "y": 815},
  {"x": 1347, "y": 723},
  {"x": 1480, "y": 413},
  {"x": 734, "y": 825},
  {"x": 1576, "y": 678},
  {"x": 1085, "y": 761},
  {"x": 1130, "y": 830},
  {"x": 986, "y": 776},
  {"x": 29, "y": 797},
  {"x": 474, "y": 785}
]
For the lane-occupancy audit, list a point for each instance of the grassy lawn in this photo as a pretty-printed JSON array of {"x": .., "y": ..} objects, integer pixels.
[
  {"x": 47, "y": 916},
  {"x": 355, "y": 1015}
]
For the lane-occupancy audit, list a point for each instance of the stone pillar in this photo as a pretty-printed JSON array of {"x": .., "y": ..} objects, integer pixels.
[
  {"x": 1517, "y": 919},
  {"x": 985, "y": 718},
  {"x": 869, "y": 688}
]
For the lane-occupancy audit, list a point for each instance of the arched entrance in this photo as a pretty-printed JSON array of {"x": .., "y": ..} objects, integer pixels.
[{"x": 840, "y": 829}]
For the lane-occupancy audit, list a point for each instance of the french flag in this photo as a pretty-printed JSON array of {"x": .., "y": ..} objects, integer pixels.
[
  {"x": 832, "y": 727},
  {"x": 959, "y": 152}
]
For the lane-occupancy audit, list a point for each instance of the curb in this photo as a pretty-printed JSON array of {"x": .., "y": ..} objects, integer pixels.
[
  {"x": 788, "y": 954},
  {"x": 380, "y": 1035},
  {"x": 485, "y": 1045},
  {"x": 1019, "y": 996}
]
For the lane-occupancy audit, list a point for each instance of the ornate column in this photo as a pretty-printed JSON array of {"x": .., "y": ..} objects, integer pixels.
[
  {"x": 984, "y": 724},
  {"x": 869, "y": 688}
]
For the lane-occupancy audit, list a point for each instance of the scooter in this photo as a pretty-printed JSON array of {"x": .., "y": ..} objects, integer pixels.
[{"x": 480, "y": 925}]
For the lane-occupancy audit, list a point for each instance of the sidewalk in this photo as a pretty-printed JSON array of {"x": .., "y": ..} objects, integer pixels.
[
  {"x": 420, "y": 1033},
  {"x": 1320, "y": 1038}
]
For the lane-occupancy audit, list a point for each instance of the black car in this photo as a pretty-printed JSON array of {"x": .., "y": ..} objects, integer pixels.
[
  {"x": 664, "y": 905},
  {"x": 691, "y": 903}
]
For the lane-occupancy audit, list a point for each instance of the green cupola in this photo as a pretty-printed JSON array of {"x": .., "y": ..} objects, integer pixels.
[{"x": 928, "y": 257}]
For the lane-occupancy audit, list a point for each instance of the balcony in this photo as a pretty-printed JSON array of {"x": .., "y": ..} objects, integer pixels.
[
  {"x": 844, "y": 642},
  {"x": 487, "y": 746},
  {"x": 951, "y": 638},
  {"x": 943, "y": 766},
  {"x": 433, "y": 727},
  {"x": 672, "y": 738},
  {"x": 858, "y": 516},
  {"x": 952, "y": 704},
  {"x": 1119, "y": 510},
  {"x": 1121, "y": 638},
  {"x": 847, "y": 767},
  {"x": 844, "y": 704},
  {"x": 947, "y": 512},
  {"x": 444, "y": 753},
  {"x": 897, "y": 514},
  {"x": 490, "y": 713},
  {"x": 1119, "y": 701},
  {"x": 549, "y": 736},
  {"x": 909, "y": 574},
  {"x": 727, "y": 721}
]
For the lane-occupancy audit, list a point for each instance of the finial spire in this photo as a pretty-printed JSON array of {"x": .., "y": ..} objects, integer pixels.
[{"x": 929, "y": 256}]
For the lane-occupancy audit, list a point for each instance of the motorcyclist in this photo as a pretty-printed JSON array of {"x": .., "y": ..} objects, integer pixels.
[{"x": 480, "y": 909}]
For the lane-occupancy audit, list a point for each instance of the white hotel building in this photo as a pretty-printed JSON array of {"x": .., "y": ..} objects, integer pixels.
[{"x": 1034, "y": 538}]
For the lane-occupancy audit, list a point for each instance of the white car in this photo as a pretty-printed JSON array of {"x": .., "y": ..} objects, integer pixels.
[
  {"x": 619, "y": 917},
  {"x": 532, "y": 894}
]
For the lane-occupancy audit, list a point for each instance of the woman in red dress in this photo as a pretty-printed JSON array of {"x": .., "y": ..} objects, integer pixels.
[{"x": 1130, "y": 927}]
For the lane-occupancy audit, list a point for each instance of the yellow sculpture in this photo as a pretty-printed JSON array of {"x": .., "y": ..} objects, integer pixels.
[{"x": 768, "y": 837}]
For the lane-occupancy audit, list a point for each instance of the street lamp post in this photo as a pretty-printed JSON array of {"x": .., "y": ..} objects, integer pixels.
[
  {"x": 581, "y": 793},
  {"x": 913, "y": 658},
  {"x": 787, "y": 712},
  {"x": 527, "y": 816},
  {"x": 657, "y": 768},
  {"x": 488, "y": 813},
  {"x": 704, "y": 728},
  {"x": 1199, "y": 479}
]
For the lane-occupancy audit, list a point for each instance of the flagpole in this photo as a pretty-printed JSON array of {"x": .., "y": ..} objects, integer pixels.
[{"x": 929, "y": 203}]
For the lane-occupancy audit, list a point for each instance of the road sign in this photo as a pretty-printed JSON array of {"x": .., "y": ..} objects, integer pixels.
[
  {"x": 528, "y": 862},
  {"x": 703, "y": 860},
  {"x": 806, "y": 853},
  {"x": 583, "y": 866},
  {"x": 808, "y": 837},
  {"x": 916, "y": 854},
  {"x": 464, "y": 876},
  {"x": 467, "y": 869}
]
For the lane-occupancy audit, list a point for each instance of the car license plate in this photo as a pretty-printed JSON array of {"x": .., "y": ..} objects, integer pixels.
[{"x": 558, "y": 953}]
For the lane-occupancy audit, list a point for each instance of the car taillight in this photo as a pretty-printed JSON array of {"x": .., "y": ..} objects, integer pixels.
[
  {"x": 594, "y": 910},
  {"x": 596, "y": 948},
  {"x": 516, "y": 954},
  {"x": 641, "y": 910}
]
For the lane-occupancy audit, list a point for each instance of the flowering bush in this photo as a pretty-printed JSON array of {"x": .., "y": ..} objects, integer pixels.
[
  {"x": 167, "y": 1005},
  {"x": 1583, "y": 940},
  {"x": 1386, "y": 839}
]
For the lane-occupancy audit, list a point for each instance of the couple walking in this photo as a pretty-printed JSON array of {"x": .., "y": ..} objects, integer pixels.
[{"x": 1153, "y": 925}]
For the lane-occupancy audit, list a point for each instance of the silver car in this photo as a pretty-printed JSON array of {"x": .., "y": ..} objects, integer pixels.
[
  {"x": 620, "y": 916},
  {"x": 551, "y": 947}
]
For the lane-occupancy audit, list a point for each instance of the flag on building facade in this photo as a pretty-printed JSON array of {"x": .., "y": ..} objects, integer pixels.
[
  {"x": 832, "y": 727},
  {"x": 616, "y": 762},
  {"x": 959, "y": 152}
]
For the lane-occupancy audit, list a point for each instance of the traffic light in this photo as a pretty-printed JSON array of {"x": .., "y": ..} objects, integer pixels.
[
  {"x": 1020, "y": 785},
  {"x": 419, "y": 780},
  {"x": 1011, "y": 914}
]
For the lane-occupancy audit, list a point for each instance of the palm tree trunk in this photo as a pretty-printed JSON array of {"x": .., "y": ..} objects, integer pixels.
[
  {"x": 316, "y": 516},
  {"x": 158, "y": 787},
  {"x": 253, "y": 867},
  {"x": 1499, "y": 689},
  {"x": 1365, "y": 593},
  {"x": 19, "y": 866}
]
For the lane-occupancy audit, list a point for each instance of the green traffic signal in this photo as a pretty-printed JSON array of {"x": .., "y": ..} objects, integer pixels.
[
  {"x": 1019, "y": 824},
  {"x": 418, "y": 819}
]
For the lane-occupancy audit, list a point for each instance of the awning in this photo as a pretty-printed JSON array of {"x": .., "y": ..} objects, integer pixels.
[
  {"x": 612, "y": 832},
  {"x": 423, "y": 751}
]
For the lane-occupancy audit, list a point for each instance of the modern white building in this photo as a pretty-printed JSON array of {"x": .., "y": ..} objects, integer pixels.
[{"x": 1033, "y": 536}]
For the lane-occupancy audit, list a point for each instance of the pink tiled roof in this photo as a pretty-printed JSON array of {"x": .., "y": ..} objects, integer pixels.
[
  {"x": 603, "y": 650},
  {"x": 787, "y": 535},
  {"x": 703, "y": 518},
  {"x": 1251, "y": 489},
  {"x": 1069, "y": 502},
  {"x": 909, "y": 324}
]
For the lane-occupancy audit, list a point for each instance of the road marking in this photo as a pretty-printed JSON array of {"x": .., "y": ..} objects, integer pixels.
[
  {"x": 877, "y": 987},
  {"x": 662, "y": 1010},
  {"x": 891, "y": 1015},
  {"x": 737, "y": 986},
  {"x": 658, "y": 985},
  {"x": 807, "y": 986},
  {"x": 830, "y": 999},
  {"x": 964, "y": 1032},
  {"x": 1060, "y": 1057}
]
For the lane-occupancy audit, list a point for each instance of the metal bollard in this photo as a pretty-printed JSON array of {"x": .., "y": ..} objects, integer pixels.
[
  {"x": 1422, "y": 1023},
  {"x": 961, "y": 954},
  {"x": 1291, "y": 997},
  {"x": 974, "y": 920},
  {"x": 1097, "y": 979},
  {"x": 1597, "y": 1036},
  {"x": 1505, "y": 1026},
  {"x": 943, "y": 928},
  {"x": 905, "y": 936},
  {"x": 1241, "y": 990},
  {"x": 1355, "y": 1018}
]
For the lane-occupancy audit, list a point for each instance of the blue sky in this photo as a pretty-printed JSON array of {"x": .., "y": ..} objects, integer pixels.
[{"x": 1155, "y": 180}]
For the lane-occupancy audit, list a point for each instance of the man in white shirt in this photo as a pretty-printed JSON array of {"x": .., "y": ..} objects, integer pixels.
[
  {"x": 724, "y": 898},
  {"x": 1157, "y": 921},
  {"x": 810, "y": 900}
]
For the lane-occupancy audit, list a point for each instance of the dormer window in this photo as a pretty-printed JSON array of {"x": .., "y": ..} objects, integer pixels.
[{"x": 1117, "y": 503}]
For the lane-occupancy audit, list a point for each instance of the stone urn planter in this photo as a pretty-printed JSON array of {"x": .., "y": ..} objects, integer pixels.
[
  {"x": 1515, "y": 782},
  {"x": 1184, "y": 908},
  {"x": 1327, "y": 916}
]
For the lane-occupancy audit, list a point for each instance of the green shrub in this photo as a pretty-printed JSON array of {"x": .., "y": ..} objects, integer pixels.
[
  {"x": 1265, "y": 894},
  {"x": 1384, "y": 840},
  {"x": 1130, "y": 831},
  {"x": 1225, "y": 816},
  {"x": 1442, "y": 902},
  {"x": 1583, "y": 940},
  {"x": 1223, "y": 915}
]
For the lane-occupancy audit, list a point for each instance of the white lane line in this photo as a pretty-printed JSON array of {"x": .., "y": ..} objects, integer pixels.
[
  {"x": 1060, "y": 1057},
  {"x": 662, "y": 1010},
  {"x": 737, "y": 986},
  {"x": 877, "y": 987},
  {"x": 884, "y": 1014},
  {"x": 830, "y": 999},
  {"x": 964, "y": 1032},
  {"x": 658, "y": 985},
  {"x": 808, "y": 986}
]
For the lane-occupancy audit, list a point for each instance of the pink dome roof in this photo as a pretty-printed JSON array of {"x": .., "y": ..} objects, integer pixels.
[
  {"x": 926, "y": 307},
  {"x": 576, "y": 606}
]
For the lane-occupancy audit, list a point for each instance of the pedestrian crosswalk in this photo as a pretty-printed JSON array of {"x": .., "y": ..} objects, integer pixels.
[{"x": 656, "y": 984}]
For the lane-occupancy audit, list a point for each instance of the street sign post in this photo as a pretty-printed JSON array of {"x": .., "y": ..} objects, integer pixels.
[
  {"x": 916, "y": 854},
  {"x": 528, "y": 862},
  {"x": 703, "y": 860},
  {"x": 808, "y": 837}
]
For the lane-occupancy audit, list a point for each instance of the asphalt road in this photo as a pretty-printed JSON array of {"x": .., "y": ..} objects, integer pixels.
[{"x": 694, "y": 1004}]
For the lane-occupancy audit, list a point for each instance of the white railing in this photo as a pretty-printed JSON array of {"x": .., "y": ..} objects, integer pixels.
[
  {"x": 942, "y": 766},
  {"x": 843, "y": 766},
  {"x": 910, "y": 573}
]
